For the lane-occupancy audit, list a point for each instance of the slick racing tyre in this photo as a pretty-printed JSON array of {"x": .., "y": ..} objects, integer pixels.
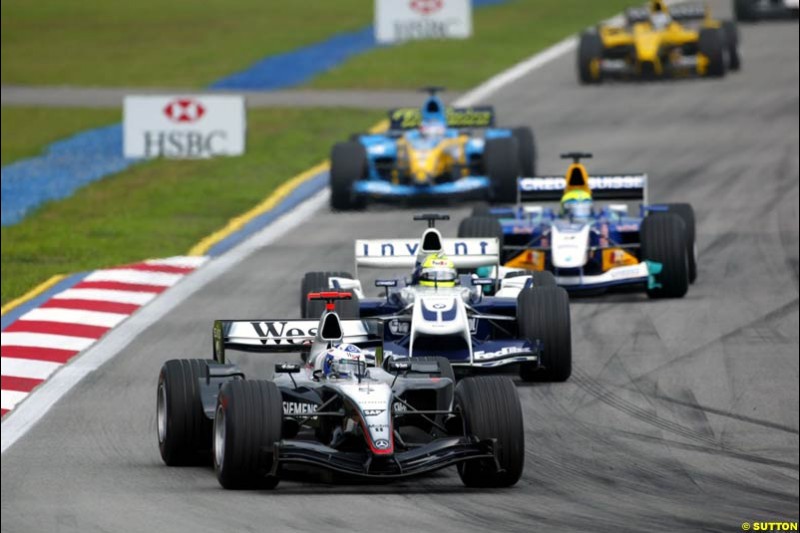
[
  {"x": 490, "y": 408},
  {"x": 247, "y": 423},
  {"x": 745, "y": 10},
  {"x": 731, "y": 33},
  {"x": 501, "y": 160},
  {"x": 483, "y": 227},
  {"x": 348, "y": 165},
  {"x": 663, "y": 237},
  {"x": 590, "y": 54},
  {"x": 543, "y": 278},
  {"x": 543, "y": 314},
  {"x": 318, "y": 282},
  {"x": 483, "y": 210},
  {"x": 686, "y": 212},
  {"x": 184, "y": 431},
  {"x": 527, "y": 150},
  {"x": 711, "y": 44}
]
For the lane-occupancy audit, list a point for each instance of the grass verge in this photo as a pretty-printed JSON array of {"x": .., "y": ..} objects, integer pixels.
[
  {"x": 162, "y": 208},
  {"x": 26, "y": 131},
  {"x": 180, "y": 43},
  {"x": 502, "y": 36}
]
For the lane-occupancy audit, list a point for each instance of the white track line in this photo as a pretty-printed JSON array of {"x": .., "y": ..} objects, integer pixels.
[
  {"x": 74, "y": 316},
  {"x": 10, "y": 398},
  {"x": 27, "y": 368},
  {"x": 180, "y": 261},
  {"x": 46, "y": 340},
  {"x": 143, "y": 277},
  {"x": 106, "y": 295},
  {"x": 24, "y": 416}
]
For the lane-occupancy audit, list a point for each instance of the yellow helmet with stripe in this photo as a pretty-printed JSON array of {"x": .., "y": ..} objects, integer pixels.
[
  {"x": 576, "y": 203},
  {"x": 437, "y": 271}
]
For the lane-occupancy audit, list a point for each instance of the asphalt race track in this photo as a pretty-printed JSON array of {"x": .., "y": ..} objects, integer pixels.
[{"x": 680, "y": 415}]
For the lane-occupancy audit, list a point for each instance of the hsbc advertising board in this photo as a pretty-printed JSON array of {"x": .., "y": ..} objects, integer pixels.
[
  {"x": 406, "y": 20},
  {"x": 188, "y": 127}
]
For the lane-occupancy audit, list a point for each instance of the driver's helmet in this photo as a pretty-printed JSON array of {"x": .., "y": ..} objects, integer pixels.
[
  {"x": 437, "y": 271},
  {"x": 342, "y": 361},
  {"x": 576, "y": 204},
  {"x": 659, "y": 15},
  {"x": 432, "y": 129}
]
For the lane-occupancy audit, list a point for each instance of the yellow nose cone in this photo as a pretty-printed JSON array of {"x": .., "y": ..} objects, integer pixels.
[
  {"x": 647, "y": 46},
  {"x": 421, "y": 176}
]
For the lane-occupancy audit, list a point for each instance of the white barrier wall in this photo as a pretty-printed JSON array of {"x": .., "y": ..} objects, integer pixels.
[
  {"x": 183, "y": 126},
  {"x": 405, "y": 20}
]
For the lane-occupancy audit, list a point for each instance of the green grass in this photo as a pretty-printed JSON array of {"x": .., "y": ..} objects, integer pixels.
[
  {"x": 163, "y": 208},
  {"x": 502, "y": 36},
  {"x": 25, "y": 131},
  {"x": 156, "y": 43}
]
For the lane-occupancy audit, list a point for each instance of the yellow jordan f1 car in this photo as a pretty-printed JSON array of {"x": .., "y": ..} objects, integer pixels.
[{"x": 657, "y": 42}]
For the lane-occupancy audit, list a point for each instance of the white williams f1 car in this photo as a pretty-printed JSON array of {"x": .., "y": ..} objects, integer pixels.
[
  {"x": 337, "y": 412},
  {"x": 478, "y": 324}
]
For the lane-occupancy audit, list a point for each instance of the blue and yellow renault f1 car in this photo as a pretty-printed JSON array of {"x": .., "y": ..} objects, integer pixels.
[
  {"x": 657, "y": 41},
  {"x": 592, "y": 247},
  {"x": 433, "y": 152}
]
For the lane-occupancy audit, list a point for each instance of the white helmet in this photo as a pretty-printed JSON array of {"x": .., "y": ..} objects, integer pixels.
[{"x": 343, "y": 360}]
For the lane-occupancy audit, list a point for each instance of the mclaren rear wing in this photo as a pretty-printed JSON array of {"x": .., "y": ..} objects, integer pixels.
[
  {"x": 286, "y": 336},
  {"x": 620, "y": 187},
  {"x": 466, "y": 253}
]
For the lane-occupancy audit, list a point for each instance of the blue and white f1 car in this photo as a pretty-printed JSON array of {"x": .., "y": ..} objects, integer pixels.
[
  {"x": 601, "y": 248},
  {"x": 432, "y": 152},
  {"x": 478, "y": 324}
]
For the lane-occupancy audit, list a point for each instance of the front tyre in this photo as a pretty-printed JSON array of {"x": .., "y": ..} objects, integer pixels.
[
  {"x": 348, "y": 165},
  {"x": 490, "y": 408},
  {"x": 731, "y": 33},
  {"x": 501, "y": 160},
  {"x": 711, "y": 44},
  {"x": 590, "y": 57},
  {"x": 686, "y": 213},
  {"x": 527, "y": 150},
  {"x": 543, "y": 314},
  {"x": 247, "y": 424},
  {"x": 663, "y": 241}
]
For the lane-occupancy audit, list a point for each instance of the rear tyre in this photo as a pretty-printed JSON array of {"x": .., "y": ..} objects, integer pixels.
[
  {"x": 543, "y": 314},
  {"x": 686, "y": 212},
  {"x": 744, "y": 10},
  {"x": 527, "y": 150},
  {"x": 731, "y": 33},
  {"x": 663, "y": 237},
  {"x": 348, "y": 165},
  {"x": 184, "y": 431},
  {"x": 501, "y": 159},
  {"x": 491, "y": 409},
  {"x": 318, "y": 281},
  {"x": 481, "y": 227},
  {"x": 483, "y": 210},
  {"x": 712, "y": 44},
  {"x": 247, "y": 424},
  {"x": 543, "y": 278},
  {"x": 590, "y": 54}
]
